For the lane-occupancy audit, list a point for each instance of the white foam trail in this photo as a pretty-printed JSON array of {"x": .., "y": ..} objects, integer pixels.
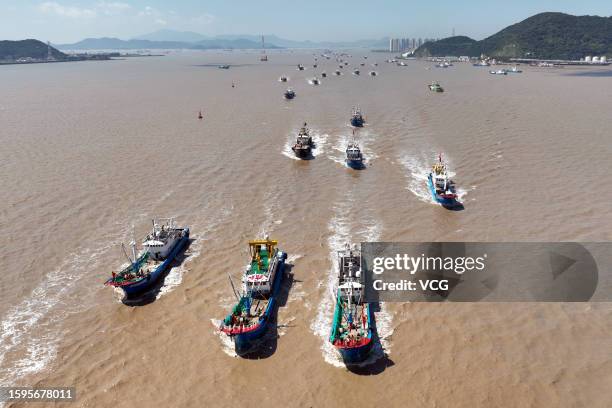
[
  {"x": 287, "y": 151},
  {"x": 227, "y": 345},
  {"x": 30, "y": 313},
  {"x": 321, "y": 325},
  {"x": 339, "y": 150},
  {"x": 418, "y": 170}
]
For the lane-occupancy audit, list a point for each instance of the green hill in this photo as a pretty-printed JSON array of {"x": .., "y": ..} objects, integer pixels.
[
  {"x": 545, "y": 35},
  {"x": 459, "y": 45},
  {"x": 14, "y": 50}
]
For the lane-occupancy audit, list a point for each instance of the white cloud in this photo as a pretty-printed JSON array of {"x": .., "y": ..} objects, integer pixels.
[
  {"x": 149, "y": 11},
  {"x": 204, "y": 19},
  {"x": 112, "y": 8},
  {"x": 51, "y": 7}
]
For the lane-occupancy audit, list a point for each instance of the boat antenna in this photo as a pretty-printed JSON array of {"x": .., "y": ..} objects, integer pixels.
[{"x": 233, "y": 287}]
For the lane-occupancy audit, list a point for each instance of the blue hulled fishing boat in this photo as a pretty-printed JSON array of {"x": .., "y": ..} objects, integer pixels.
[
  {"x": 351, "y": 331},
  {"x": 250, "y": 317},
  {"x": 160, "y": 248},
  {"x": 441, "y": 186}
]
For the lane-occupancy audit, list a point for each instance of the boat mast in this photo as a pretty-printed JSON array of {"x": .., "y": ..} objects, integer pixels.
[{"x": 133, "y": 244}]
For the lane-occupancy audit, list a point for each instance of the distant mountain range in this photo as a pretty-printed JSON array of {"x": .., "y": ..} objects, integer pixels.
[
  {"x": 14, "y": 50},
  {"x": 544, "y": 36},
  {"x": 172, "y": 39},
  {"x": 117, "y": 44}
]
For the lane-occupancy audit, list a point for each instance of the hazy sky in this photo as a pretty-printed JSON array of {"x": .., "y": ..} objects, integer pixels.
[{"x": 72, "y": 20}]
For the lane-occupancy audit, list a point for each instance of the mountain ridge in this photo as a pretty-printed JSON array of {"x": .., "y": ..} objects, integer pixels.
[{"x": 549, "y": 35}]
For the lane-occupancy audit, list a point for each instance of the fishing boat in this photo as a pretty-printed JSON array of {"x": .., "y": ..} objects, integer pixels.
[
  {"x": 482, "y": 63},
  {"x": 337, "y": 73},
  {"x": 159, "y": 248},
  {"x": 223, "y": 67},
  {"x": 514, "y": 70},
  {"x": 362, "y": 64},
  {"x": 283, "y": 79},
  {"x": 356, "y": 72},
  {"x": 200, "y": 116},
  {"x": 435, "y": 87},
  {"x": 323, "y": 75},
  {"x": 289, "y": 94},
  {"x": 253, "y": 313},
  {"x": 314, "y": 65},
  {"x": 300, "y": 67},
  {"x": 373, "y": 73},
  {"x": 351, "y": 332},
  {"x": 499, "y": 72},
  {"x": 357, "y": 119},
  {"x": 441, "y": 186},
  {"x": 315, "y": 81},
  {"x": 354, "y": 157},
  {"x": 303, "y": 143}
]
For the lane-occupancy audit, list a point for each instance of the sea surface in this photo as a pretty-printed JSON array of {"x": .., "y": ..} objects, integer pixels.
[{"x": 90, "y": 149}]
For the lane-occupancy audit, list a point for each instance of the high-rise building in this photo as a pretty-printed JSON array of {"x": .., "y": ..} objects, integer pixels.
[{"x": 399, "y": 44}]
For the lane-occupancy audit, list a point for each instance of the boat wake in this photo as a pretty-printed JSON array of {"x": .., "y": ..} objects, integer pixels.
[
  {"x": 339, "y": 226},
  {"x": 417, "y": 170},
  {"x": 227, "y": 345},
  {"x": 30, "y": 338}
]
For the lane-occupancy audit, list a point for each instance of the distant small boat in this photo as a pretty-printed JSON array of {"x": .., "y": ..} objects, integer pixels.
[
  {"x": 362, "y": 64},
  {"x": 315, "y": 81},
  {"x": 373, "y": 73},
  {"x": 323, "y": 75},
  {"x": 200, "y": 116},
  {"x": 223, "y": 67},
  {"x": 283, "y": 79},
  {"x": 482, "y": 63},
  {"x": 514, "y": 70},
  {"x": 499, "y": 72},
  {"x": 315, "y": 65},
  {"x": 289, "y": 94},
  {"x": 300, "y": 67},
  {"x": 356, "y": 72},
  {"x": 435, "y": 87},
  {"x": 357, "y": 119},
  {"x": 337, "y": 73}
]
